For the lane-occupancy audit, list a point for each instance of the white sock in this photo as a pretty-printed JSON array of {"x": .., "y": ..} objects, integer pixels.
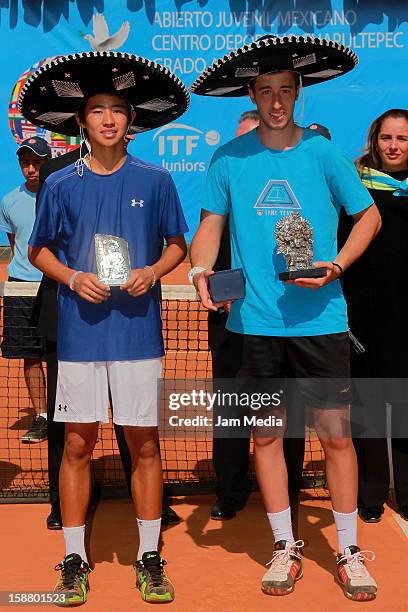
[
  {"x": 44, "y": 415},
  {"x": 346, "y": 527},
  {"x": 75, "y": 541},
  {"x": 149, "y": 533},
  {"x": 281, "y": 524}
]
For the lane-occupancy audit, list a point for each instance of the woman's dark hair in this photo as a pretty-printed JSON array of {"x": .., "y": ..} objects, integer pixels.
[{"x": 371, "y": 158}]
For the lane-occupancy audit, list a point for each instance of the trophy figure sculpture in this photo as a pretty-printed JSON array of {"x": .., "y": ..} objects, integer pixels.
[
  {"x": 294, "y": 239},
  {"x": 112, "y": 259}
]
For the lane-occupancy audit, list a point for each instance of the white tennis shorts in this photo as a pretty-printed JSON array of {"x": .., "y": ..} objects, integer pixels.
[{"x": 83, "y": 392}]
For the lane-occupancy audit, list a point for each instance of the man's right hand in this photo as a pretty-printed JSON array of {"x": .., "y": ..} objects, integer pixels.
[
  {"x": 200, "y": 281},
  {"x": 88, "y": 286}
]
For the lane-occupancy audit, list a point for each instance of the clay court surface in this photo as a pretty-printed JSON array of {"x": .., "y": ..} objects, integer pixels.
[{"x": 214, "y": 566}]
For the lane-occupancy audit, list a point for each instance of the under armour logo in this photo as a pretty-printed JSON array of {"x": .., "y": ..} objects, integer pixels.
[
  {"x": 61, "y": 407},
  {"x": 135, "y": 202}
]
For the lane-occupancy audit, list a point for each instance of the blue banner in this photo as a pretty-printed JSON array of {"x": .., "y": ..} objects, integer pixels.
[{"x": 186, "y": 36}]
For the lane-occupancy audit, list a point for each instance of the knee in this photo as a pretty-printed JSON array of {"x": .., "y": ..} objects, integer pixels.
[
  {"x": 148, "y": 450},
  {"x": 268, "y": 444},
  {"x": 337, "y": 445},
  {"x": 77, "y": 450}
]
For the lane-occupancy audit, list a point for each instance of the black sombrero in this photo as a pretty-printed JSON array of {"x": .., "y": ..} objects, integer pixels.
[
  {"x": 53, "y": 94},
  {"x": 315, "y": 59}
]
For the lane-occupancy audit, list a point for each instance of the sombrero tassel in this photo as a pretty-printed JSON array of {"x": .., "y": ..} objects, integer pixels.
[{"x": 81, "y": 162}]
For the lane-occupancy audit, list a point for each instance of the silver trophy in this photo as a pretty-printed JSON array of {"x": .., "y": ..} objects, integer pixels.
[
  {"x": 112, "y": 259},
  {"x": 294, "y": 239}
]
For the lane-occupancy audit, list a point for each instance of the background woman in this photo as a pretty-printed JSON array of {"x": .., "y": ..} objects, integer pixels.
[{"x": 377, "y": 299}]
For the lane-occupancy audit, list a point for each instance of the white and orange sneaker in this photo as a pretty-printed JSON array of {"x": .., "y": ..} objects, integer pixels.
[
  {"x": 353, "y": 575},
  {"x": 285, "y": 568}
]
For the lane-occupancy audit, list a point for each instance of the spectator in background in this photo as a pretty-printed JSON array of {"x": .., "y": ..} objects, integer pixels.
[
  {"x": 230, "y": 455},
  {"x": 45, "y": 316},
  {"x": 377, "y": 304},
  {"x": 20, "y": 340},
  {"x": 249, "y": 120}
]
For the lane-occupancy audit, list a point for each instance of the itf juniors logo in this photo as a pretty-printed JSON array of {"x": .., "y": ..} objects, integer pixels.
[{"x": 278, "y": 195}]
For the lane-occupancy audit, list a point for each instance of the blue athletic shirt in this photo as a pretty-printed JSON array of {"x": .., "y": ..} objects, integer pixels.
[
  {"x": 17, "y": 216},
  {"x": 139, "y": 203},
  {"x": 257, "y": 186}
]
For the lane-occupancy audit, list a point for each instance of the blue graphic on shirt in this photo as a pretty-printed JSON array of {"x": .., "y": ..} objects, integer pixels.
[{"x": 278, "y": 194}]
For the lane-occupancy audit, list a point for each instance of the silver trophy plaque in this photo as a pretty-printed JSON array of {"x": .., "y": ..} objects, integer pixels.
[
  {"x": 294, "y": 239},
  {"x": 112, "y": 259}
]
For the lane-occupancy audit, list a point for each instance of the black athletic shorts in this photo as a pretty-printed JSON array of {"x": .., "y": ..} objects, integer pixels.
[
  {"x": 20, "y": 337},
  {"x": 320, "y": 365}
]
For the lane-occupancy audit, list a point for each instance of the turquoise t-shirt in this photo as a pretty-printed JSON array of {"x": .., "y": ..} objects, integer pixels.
[
  {"x": 256, "y": 186},
  {"x": 17, "y": 216}
]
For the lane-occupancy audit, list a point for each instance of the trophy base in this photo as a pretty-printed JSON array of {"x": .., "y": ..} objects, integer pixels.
[
  {"x": 118, "y": 282},
  {"x": 309, "y": 273}
]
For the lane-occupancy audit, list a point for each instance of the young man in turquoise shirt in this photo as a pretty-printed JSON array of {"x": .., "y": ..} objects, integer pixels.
[{"x": 298, "y": 328}]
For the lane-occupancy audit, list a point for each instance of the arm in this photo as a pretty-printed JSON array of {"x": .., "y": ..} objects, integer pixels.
[
  {"x": 6, "y": 225},
  {"x": 204, "y": 251},
  {"x": 44, "y": 235},
  {"x": 367, "y": 224},
  {"x": 86, "y": 284},
  {"x": 141, "y": 280},
  {"x": 12, "y": 241}
]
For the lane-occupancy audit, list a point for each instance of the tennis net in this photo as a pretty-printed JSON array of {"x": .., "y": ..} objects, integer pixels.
[{"x": 187, "y": 461}]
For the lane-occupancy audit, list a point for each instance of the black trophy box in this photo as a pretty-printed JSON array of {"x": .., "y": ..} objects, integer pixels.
[
  {"x": 227, "y": 285},
  {"x": 310, "y": 273}
]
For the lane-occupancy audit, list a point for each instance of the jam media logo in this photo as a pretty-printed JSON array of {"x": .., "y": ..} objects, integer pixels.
[
  {"x": 180, "y": 144},
  {"x": 277, "y": 195}
]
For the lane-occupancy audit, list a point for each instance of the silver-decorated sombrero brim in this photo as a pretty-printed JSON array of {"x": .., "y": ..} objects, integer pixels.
[
  {"x": 53, "y": 94},
  {"x": 316, "y": 59}
]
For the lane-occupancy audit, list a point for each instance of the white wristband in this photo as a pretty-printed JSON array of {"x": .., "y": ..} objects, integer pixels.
[
  {"x": 72, "y": 279},
  {"x": 154, "y": 276},
  {"x": 193, "y": 272}
]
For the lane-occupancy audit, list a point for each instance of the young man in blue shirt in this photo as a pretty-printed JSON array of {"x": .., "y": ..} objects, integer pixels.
[
  {"x": 297, "y": 328},
  {"x": 20, "y": 339},
  {"x": 109, "y": 339}
]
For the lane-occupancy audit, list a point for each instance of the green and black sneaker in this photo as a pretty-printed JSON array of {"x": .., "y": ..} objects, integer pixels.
[
  {"x": 152, "y": 582},
  {"x": 73, "y": 583}
]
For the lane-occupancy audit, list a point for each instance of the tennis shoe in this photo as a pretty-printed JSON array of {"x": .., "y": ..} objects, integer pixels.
[
  {"x": 73, "y": 582},
  {"x": 353, "y": 575},
  {"x": 285, "y": 568},
  {"x": 152, "y": 582},
  {"x": 38, "y": 430}
]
